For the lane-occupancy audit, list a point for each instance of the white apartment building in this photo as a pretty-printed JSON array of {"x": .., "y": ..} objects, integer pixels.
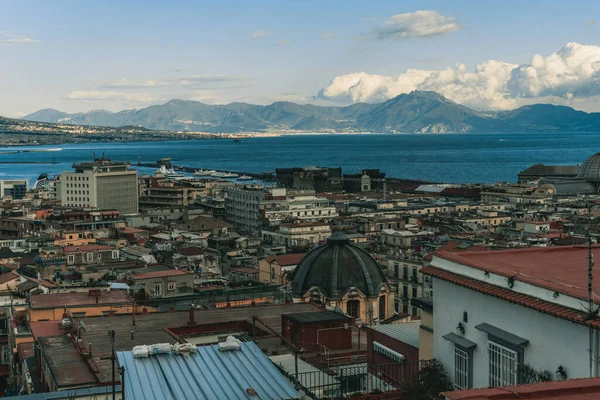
[
  {"x": 14, "y": 189},
  {"x": 101, "y": 184},
  {"x": 497, "y": 311},
  {"x": 251, "y": 209}
]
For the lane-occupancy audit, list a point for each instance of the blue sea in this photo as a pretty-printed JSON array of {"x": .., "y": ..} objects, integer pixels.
[{"x": 453, "y": 158}]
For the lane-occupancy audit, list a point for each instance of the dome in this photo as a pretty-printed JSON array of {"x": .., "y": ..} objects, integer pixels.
[
  {"x": 336, "y": 267},
  {"x": 590, "y": 169}
]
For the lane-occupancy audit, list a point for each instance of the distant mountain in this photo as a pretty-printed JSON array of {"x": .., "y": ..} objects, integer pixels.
[{"x": 415, "y": 112}]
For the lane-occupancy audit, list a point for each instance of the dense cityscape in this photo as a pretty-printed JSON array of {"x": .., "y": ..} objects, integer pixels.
[
  {"x": 335, "y": 283},
  {"x": 299, "y": 200}
]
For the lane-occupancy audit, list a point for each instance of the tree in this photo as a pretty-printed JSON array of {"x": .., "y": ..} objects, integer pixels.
[{"x": 431, "y": 380}]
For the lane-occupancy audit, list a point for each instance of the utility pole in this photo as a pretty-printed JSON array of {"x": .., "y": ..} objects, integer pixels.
[{"x": 113, "y": 359}]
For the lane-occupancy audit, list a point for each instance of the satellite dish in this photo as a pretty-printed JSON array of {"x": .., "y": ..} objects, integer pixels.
[{"x": 82, "y": 326}]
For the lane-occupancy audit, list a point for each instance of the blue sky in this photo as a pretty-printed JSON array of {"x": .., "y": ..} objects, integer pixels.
[{"x": 82, "y": 55}]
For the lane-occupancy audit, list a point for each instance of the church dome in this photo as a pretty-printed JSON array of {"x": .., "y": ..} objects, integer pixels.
[
  {"x": 590, "y": 169},
  {"x": 336, "y": 267}
]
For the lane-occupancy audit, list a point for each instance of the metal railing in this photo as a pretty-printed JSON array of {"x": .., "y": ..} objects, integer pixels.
[{"x": 345, "y": 379}]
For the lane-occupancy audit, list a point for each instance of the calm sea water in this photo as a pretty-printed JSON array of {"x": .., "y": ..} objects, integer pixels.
[{"x": 452, "y": 158}]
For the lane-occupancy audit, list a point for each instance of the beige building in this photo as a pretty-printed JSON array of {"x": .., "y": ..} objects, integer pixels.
[
  {"x": 297, "y": 235},
  {"x": 274, "y": 269},
  {"x": 340, "y": 274},
  {"x": 101, "y": 184},
  {"x": 425, "y": 305}
]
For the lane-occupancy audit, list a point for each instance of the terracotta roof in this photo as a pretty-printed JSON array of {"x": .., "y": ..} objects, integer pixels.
[
  {"x": 45, "y": 328},
  {"x": 89, "y": 247},
  {"x": 571, "y": 389},
  {"x": 191, "y": 251},
  {"x": 547, "y": 267},
  {"x": 286, "y": 259},
  {"x": 506, "y": 294},
  {"x": 54, "y": 300},
  {"x": 245, "y": 270},
  {"x": 7, "y": 277},
  {"x": 161, "y": 274}
]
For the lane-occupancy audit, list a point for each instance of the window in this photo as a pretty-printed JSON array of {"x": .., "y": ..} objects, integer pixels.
[
  {"x": 414, "y": 275},
  {"x": 171, "y": 286},
  {"x": 405, "y": 291},
  {"x": 272, "y": 272},
  {"x": 115, "y": 254},
  {"x": 157, "y": 290},
  {"x": 90, "y": 257},
  {"x": 5, "y": 355},
  {"x": 405, "y": 272},
  {"x": 415, "y": 311},
  {"x": 353, "y": 308},
  {"x": 414, "y": 291},
  {"x": 503, "y": 365},
  {"x": 462, "y": 362},
  {"x": 396, "y": 270},
  {"x": 71, "y": 258}
]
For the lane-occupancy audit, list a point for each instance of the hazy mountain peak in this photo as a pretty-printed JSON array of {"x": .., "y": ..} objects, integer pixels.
[{"x": 417, "y": 111}]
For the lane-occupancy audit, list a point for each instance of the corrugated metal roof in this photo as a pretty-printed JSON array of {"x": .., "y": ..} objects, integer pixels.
[
  {"x": 208, "y": 374},
  {"x": 405, "y": 332}
]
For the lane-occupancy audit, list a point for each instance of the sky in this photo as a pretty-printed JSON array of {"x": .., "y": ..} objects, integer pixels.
[{"x": 76, "y": 55}]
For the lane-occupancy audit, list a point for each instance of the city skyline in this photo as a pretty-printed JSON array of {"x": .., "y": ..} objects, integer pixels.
[{"x": 76, "y": 57}]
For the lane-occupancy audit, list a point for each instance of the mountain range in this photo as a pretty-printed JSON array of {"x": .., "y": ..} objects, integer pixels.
[{"x": 415, "y": 112}]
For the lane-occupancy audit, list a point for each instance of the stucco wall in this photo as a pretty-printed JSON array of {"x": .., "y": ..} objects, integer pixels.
[{"x": 552, "y": 341}]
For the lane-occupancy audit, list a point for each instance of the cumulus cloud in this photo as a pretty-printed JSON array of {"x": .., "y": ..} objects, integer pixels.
[
  {"x": 569, "y": 76},
  {"x": 421, "y": 23},
  {"x": 260, "y": 33},
  {"x": 96, "y": 95}
]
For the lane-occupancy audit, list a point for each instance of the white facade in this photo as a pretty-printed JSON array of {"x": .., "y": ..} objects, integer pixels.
[
  {"x": 551, "y": 342},
  {"x": 101, "y": 186}
]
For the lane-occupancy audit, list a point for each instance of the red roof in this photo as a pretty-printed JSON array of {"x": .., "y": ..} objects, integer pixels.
[
  {"x": 45, "y": 328},
  {"x": 54, "y": 300},
  {"x": 513, "y": 297},
  {"x": 571, "y": 389},
  {"x": 286, "y": 259},
  {"x": 161, "y": 274},
  {"x": 89, "y": 247},
  {"x": 547, "y": 267},
  {"x": 7, "y": 277},
  {"x": 191, "y": 251},
  {"x": 245, "y": 270}
]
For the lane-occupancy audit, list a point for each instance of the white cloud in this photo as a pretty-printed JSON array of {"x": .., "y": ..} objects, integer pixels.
[
  {"x": 9, "y": 40},
  {"x": 570, "y": 76},
  {"x": 97, "y": 95},
  {"x": 421, "y": 23},
  {"x": 260, "y": 33},
  {"x": 185, "y": 81},
  {"x": 327, "y": 35},
  {"x": 127, "y": 83}
]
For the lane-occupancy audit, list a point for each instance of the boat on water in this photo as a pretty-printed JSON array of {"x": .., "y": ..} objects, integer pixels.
[
  {"x": 230, "y": 175},
  {"x": 237, "y": 140},
  {"x": 218, "y": 174},
  {"x": 203, "y": 172},
  {"x": 171, "y": 173},
  {"x": 245, "y": 178}
]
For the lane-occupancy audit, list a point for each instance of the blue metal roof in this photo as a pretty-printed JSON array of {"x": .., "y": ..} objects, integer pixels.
[{"x": 208, "y": 374}]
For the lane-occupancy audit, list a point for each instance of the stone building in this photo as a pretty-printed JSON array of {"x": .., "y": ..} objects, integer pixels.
[{"x": 340, "y": 274}]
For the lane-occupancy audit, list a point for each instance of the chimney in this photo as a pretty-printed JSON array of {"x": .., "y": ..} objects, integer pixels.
[{"x": 191, "y": 317}]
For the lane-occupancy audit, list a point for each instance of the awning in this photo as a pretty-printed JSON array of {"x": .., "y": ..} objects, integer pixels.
[
  {"x": 502, "y": 334},
  {"x": 460, "y": 341}
]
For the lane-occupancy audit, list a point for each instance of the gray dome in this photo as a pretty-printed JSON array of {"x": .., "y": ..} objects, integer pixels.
[
  {"x": 590, "y": 169},
  {"x": 337, "y": 266}
]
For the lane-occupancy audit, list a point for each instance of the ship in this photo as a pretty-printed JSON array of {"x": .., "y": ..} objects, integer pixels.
[{"x": 245, "y": 178}]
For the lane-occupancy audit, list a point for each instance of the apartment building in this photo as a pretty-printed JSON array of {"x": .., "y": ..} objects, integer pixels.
[
  {"x": 14, "y": 189},
  {"x": 101, "y": 184}
]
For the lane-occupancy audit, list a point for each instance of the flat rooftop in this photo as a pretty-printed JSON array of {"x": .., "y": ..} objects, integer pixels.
[
  {"x": 317, "y": 316},
  {"x": 54, "y": 300},
  {"x": 562, "y": 269}
]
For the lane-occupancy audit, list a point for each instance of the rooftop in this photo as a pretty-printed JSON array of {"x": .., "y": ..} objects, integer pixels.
[
  {"x": 54, "y": 300},
  {"x": 572, "y": 389},
  {"x": 207, "y": 374},
  {"x": 561, "y": 269},
  {"x": 89, "y": 247},
  {"x": 286, "y": 259},
  {"x": 405, "y": 332},
  {"x": 317, "y": 316},
  {"x": 161, "y": 274}
]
